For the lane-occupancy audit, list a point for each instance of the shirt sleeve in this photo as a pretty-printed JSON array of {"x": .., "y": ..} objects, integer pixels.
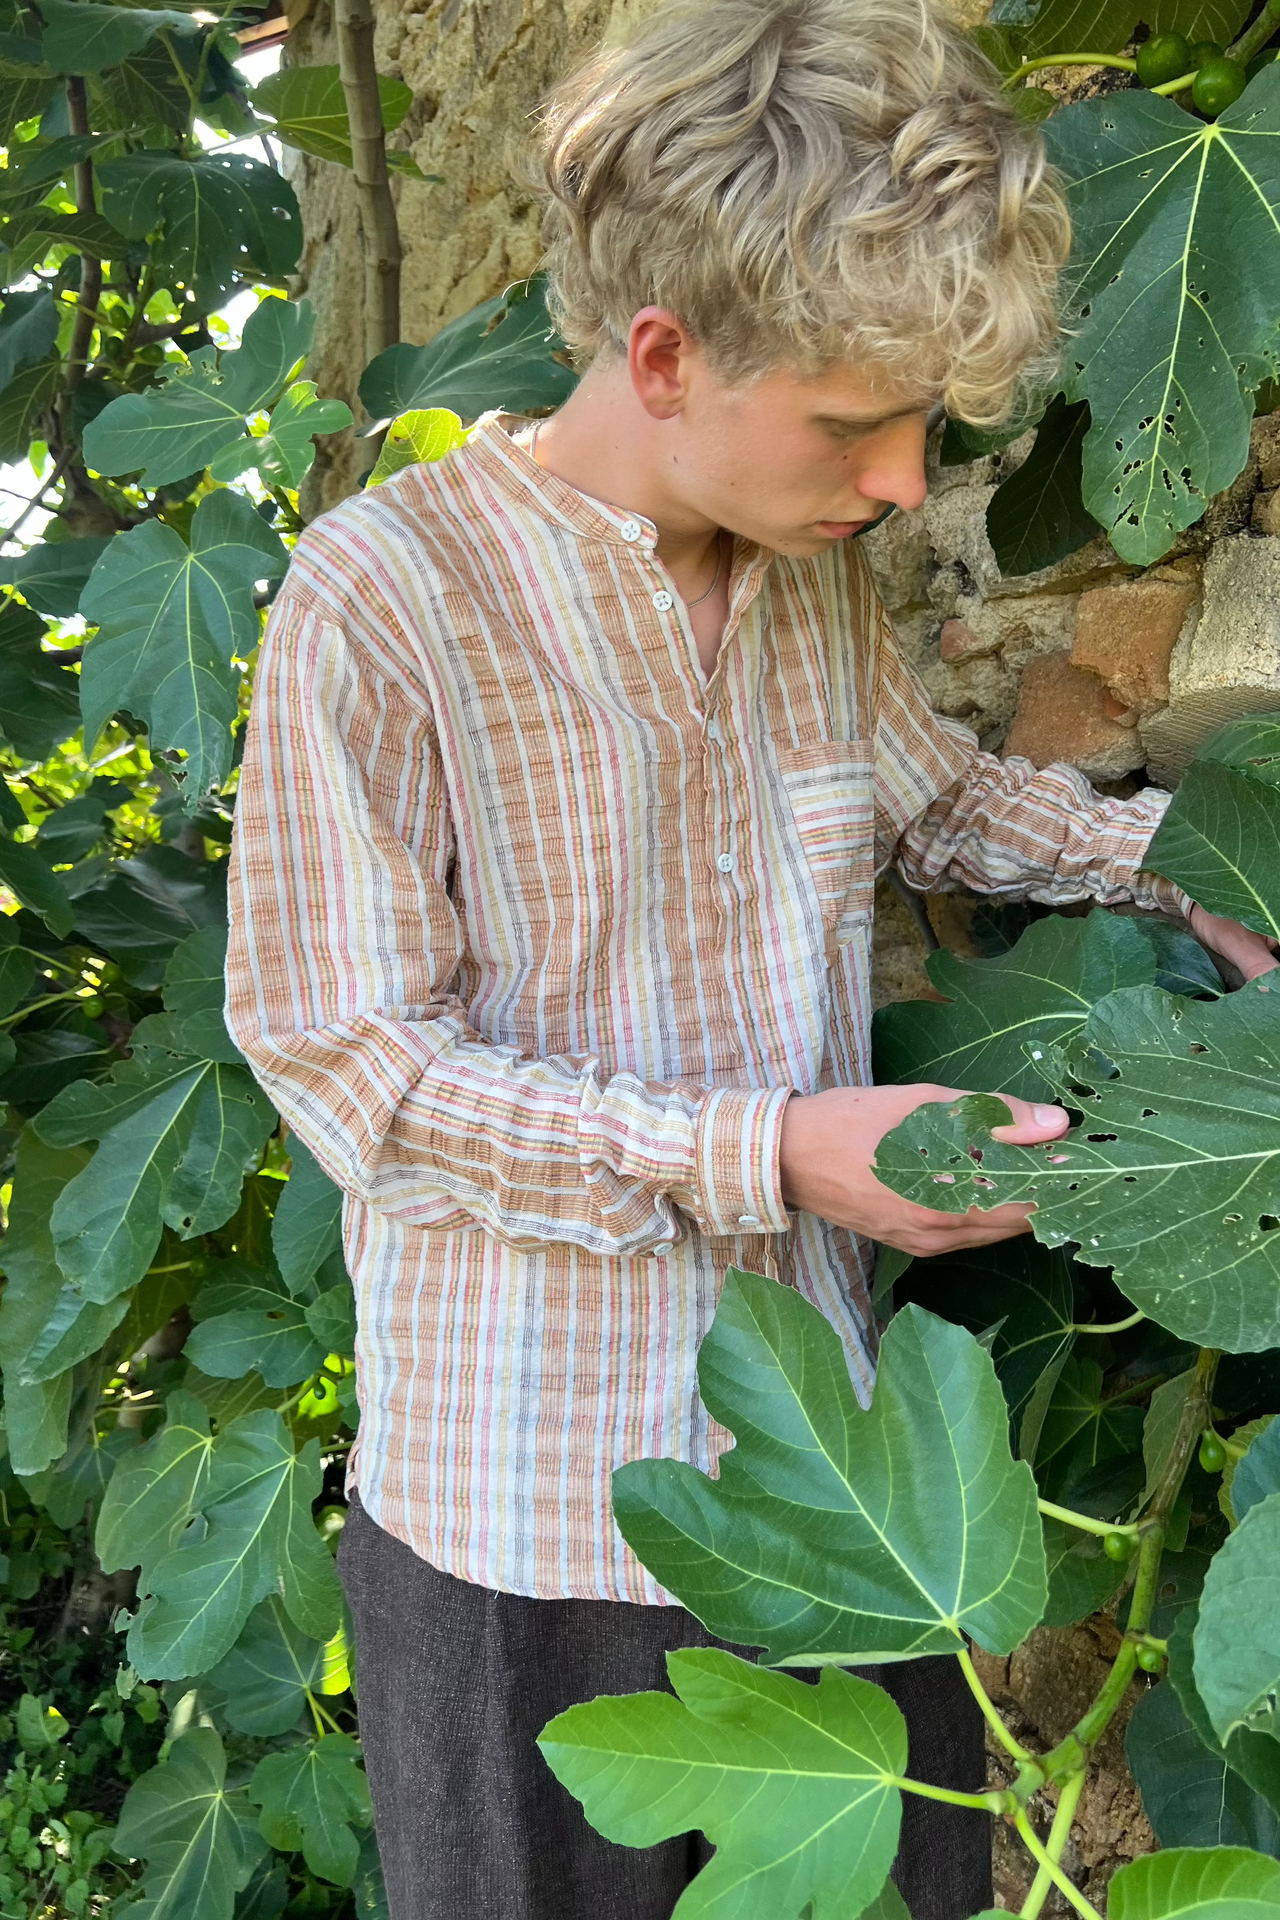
[
  {"x": 950, "y": 815},
  {"x": 343, "y": 971}
]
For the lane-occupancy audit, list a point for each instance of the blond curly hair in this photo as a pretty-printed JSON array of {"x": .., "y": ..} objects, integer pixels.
[{"x": 805, "y": 181}]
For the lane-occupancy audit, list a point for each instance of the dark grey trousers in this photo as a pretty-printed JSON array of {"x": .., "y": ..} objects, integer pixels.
[{"x": 455, "y": 1684}]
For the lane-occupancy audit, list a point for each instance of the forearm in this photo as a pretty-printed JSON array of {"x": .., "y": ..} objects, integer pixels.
[
  {"x": 427, "y": 1123},
  {"x": 1007, "y": 829}
]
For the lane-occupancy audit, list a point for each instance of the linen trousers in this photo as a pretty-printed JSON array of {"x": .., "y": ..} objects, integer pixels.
[{"x": 455, "y": 1683}]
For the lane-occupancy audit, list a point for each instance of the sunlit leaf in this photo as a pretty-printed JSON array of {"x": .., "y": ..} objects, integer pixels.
[
  {"x": 1218, "y": 1883},
  {"x": 834, "y": 1534},
  {"x": 174, "y": 429},
  {"x": 170, "y": 619},
  {"x": 425, "y": 435},
  {"x": 1174, "y": 283},
  {"x": 791, "y": 1783}
]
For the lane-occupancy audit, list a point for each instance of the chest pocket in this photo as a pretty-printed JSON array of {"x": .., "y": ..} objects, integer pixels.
[{"x": 829, "y": 785}]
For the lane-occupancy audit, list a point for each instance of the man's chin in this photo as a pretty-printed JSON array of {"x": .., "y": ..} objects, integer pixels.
[{"x": 806, "y": 542}]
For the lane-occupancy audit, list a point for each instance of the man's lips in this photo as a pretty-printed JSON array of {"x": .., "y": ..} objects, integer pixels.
[{"x": 840, "y": 529}]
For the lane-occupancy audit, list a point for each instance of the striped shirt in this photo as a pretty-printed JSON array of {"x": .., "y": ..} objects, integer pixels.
[{"x": 534, "y": 931}]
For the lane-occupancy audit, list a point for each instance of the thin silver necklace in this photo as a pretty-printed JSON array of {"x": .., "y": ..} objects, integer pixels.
[
  {"x": 533, "y": 454},
  {"x": 719, "y": 570}
]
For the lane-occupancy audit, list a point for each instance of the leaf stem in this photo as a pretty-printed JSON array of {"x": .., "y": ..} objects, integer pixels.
[
  {"x": 320, "y": 1716},
  {"x": 996, "y": 1802},
  {"x": 1256, "y": 36},
  {"x": 1070, "y": 60},
  {"x": 989, "y": 1713},
  {"x": 301, "y": 1393},
  {"x": 33, "y": 1006},
  {"x": 1168, "y": 87},
  {"x": 1052, "y": 1869},
  {"x": 1068, "y": 1801},
  {"x": 1111, "y": 1326},
  {"x": 1082, "y": 1521}
]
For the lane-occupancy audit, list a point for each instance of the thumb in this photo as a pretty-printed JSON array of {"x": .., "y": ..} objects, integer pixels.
[{"x": 1031, "y": 1123}]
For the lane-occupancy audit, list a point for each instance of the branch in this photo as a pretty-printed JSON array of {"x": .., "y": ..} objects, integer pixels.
[
  {"x": 354, "y": 22},
  {"x": 63, "y": 462},
  {"x": 1059, "y": 1833},
  {"x": 90, "y": 269},
  {"x": 1256, "y": 36}
]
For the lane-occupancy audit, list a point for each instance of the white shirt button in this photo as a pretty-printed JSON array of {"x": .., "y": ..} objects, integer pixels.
[
  {"x": 631, "y": 529},
  {"x": 748, "y": 1220},
  {"x": 725, "y": 862},
  {"x": 663, "y": 601}
]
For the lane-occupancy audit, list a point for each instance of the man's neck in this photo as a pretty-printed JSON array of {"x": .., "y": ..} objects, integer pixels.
[{"x": 604, "y": 443}]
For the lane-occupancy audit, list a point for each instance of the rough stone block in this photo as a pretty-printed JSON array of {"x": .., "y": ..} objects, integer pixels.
[
  {"x": 901, "y": 560},
  {"x": 1265, "y": 443},
  {"x": 1061, "y": 715},
  {"x": 1226, "y": 661},
  {"x": 1266, "y": 511},
  {"x": 1126, "y": 634},
  {"x": 957, "y": 522}
]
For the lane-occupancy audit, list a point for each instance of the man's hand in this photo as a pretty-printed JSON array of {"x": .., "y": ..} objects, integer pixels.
[
  {"x": 829, "y": 1141},
  {"x": 1248, "y": 952}
]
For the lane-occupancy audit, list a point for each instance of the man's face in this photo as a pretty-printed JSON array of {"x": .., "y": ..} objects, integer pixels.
[{"x": 798, "y": 463}]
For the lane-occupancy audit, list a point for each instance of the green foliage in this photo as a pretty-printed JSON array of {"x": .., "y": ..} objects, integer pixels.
[
  {"x": 1169, "y": 327},
  {"x": 1044, "y": 987},
  {"x": 827, "y": 1538},
  {"x": 1181, "y": 1144},
  {"x": 833, "y": 1535},
  {"x": 1237, "y": 1638},
  {"x": 172, "y": 619},
  {"x": 198, "y": 1838},
  {"x": 308, "y": 111},
  {"x": 1036, "y": 517},
  {"x": 505, "y": 346},
  {"x": 176, "y": 1326},
  {"x": 793, "y": 1784},
  {"x": 310, "y": 1796},
  {"x": 1220, "y": 839}
]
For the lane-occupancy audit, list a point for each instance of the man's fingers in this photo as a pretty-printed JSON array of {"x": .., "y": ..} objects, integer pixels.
[{"x": 1031, "y": 1123}]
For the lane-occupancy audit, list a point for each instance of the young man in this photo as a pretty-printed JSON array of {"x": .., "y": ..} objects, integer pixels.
[{"x": 573, "y": 761}]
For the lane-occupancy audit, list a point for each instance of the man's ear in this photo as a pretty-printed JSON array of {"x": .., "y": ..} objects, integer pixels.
[{"x": 659, "y": 350}]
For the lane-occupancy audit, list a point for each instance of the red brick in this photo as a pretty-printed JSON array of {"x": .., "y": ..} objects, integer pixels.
[
  {"x": 1125, "y": 634},
  {"x": 1062, "y": 715}
]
